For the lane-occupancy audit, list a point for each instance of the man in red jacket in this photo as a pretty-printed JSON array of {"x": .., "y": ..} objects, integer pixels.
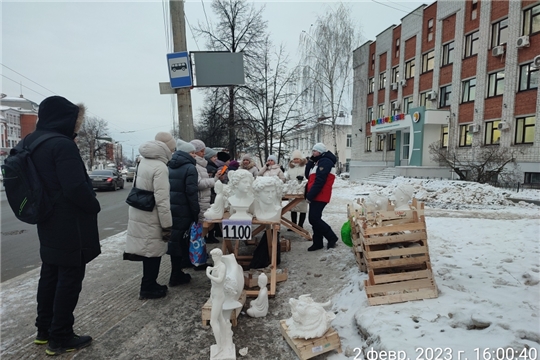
[{"x": 319, "y": 191}]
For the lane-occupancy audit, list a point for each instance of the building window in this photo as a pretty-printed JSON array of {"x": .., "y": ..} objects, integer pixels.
[
  {"x": 465, "y": 138},
  {"x": 382, "y": 80},
  {"x": 347, "y": 164},
  {"x": 370, "y": 114},
  {"x": 468, "y": 90},
  {"x": 349, "y": 140},
  {"x": 474, "y": 9},
  {"x": 448, "y": 53},
  {"x": 368, "y": 143},
  {"x": 528, "y": 77},
  {"x": 395, "y": 74},
  {"x": 423, "y": 98},
  {"x": 444, "y": 99},
  {"x": 372, "y": 61},
  {"x": 409, "y": 69},
  {"x": 371, "y": 85},
  {"x": 396, "y": 51},
  {"x": 428, "y": 61},
  {"x": 532, "y": 178},
  {"x": 444, "y": 136},
  {"x": 406, "y": 145},
  {"x": 407, "y": 103},
  {"x": 499, "y": 33},
  {"x": 393, "y": 106},
  {"x": 430, "y": 30},
  {"x": 531, "y": 20},
  {"x": 492, "y": 135},
  {"x": 391, "y": 142},
  {"x": 525, "y": 130},
  {"x": 380, "y": 113},
  {"x": 496, "y": 84},
  {"x": 380, "y": 143},
  {"x": 471, "y": 44}
]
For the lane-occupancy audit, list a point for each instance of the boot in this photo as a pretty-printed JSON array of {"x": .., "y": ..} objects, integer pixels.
[
  {"x": 302, "y": 219},
  {"x": 75, "y": 343},
  {"x": 317, "y": 243},
  {"x": 42, "y": 337},
  {"x": 211, "y": 238},
  {"x": 156, "y": 293},
  {"x": 179, "y": 278}
]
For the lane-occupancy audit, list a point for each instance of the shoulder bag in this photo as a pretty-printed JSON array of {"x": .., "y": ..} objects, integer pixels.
[{"x": 139, "y": 198}]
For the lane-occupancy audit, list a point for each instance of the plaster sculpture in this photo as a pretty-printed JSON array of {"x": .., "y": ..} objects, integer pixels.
[
  {"x": 269, "y": 191},
  {"x": 227, "y": 284},
  {"x": 217, "y": 209},
  {"x": 309, "y": 319},
  {"x": 259, "y": 306},
  {"x": 295, "y": 187},
  {"x": 377, "y": 202},
  {"x": 402, "y": 195},
  {"x": 241, "y": 198}
]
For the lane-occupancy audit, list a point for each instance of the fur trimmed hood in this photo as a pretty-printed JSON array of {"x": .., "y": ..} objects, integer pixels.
[
  {"x": 60, "y": 115},
  {"x": 303, "y": 162}
]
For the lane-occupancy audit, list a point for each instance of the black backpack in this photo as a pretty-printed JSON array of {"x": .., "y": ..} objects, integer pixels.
[{"x": 24, "y": 191}]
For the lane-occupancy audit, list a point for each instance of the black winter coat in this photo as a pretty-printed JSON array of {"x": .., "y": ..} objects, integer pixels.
[
  {"x": 70, "y": 236},
  {"x": 183, "y": 177}
]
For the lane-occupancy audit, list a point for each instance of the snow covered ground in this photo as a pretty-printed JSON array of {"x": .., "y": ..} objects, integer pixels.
[{"x": 485, "y": 253}]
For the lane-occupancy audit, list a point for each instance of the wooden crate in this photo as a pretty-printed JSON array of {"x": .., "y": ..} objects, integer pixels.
[
  {"x": 353, "y": 215},
  {"x": 252, "y": 276},
  {"x": 285, "y": 244},
  {"x": 306, "y": 349},
  {"x": 207, "y": 309}
]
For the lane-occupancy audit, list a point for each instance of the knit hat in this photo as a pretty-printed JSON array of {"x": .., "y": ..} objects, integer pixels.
[
  {"x": 272, "y": 157},
  {"x": 186, "y": 147},
  {"x": 234, "y": 165},
  {"x": 166, "y": 138},
  {"x": 296, "y": 154},
  {"x": 209, "y": 153},
  {"x": 246, "y": 156},
  {"x": 199, "y": 145},
  {"x": 223, "y": 156},
  {"x": 320, "y": 147}
]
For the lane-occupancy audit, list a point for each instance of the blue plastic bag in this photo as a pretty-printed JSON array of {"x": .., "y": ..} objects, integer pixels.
[{"x": 197, "y": 246}]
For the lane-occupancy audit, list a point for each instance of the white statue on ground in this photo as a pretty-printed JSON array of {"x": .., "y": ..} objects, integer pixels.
[
  {"x": 402, "y": 195},
  {"x": 269, "y": 190},
  {"x": 377, "y": 202},
  {"x": 217, "y": 209},
  {"x": 309, "y": 319},
  {"x": 259, "y": 306},
  {"x": 241, "y": 198},
  {"x": 227, "y": 285}
]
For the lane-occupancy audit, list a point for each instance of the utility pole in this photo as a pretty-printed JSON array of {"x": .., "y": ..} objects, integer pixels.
[{"x": 183, "y": 95}]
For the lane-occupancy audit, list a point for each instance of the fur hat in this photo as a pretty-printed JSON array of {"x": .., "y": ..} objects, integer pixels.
[
  {"x": 223, "y": 156},
  {"x": 272, "y": 157},
  {"x": 246, "y": 156},
  {"x": 199, "y": 145},
  {"x": 209, "y": 153},
  {"x": 166, "y": 138},
  {"x": 187, "y": 147},
  {"x": 320, "y": 147},
  {"x": 296, "y": 154},
  {"x": 234, "y": 165}
]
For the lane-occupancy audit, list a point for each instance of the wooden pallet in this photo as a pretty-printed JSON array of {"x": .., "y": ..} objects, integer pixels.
[
  {"x": 353, "y": 216},
  {"x": 207, "y": 309},
  {"x": 251, "y": 277},
  {"x": 285, "y": 244},
  {"x": 306, "y": 349}
]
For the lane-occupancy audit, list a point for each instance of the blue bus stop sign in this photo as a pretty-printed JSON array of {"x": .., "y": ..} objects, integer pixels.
[{"x": 179, "y": 70}]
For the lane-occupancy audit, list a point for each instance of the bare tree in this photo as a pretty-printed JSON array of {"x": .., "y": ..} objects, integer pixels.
[
  {"x": 91, "y": 138},
  {"x": 212, "y": 128},
  {"x": 491, "y": 164},
  {"x": 326, "y": 60}
]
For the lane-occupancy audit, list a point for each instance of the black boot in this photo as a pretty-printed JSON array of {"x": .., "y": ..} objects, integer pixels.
[
  {"x": 302, "y": 219},
  {"x": 317, "y": 243},
  {"x": 75, "y": 343},
  {"x": 211, "y": 237},
  {"x": 178, "y": 277},
  {"x": 150, "y": 289}
]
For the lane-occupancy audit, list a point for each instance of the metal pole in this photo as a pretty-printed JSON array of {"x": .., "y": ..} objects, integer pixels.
[{"x": 183, "y": 96}]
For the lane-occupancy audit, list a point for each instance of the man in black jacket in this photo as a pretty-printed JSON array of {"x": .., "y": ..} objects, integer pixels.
[{"x": 69, "y": 238}]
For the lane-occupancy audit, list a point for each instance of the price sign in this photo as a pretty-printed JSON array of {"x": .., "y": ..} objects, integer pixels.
[{"x": 237, "y": 229}]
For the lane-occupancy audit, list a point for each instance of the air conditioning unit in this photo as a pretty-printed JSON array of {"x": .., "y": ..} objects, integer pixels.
[
  {"x": 394, "y": 86},
  {"x": 497, "y": 51},
  {"x": 536, "y": 62},
  {"x": 432, "y": 95},
  {"x": 403, "y": 82},
  {"x": 396, "y": 106},
  {"x": 503, "y": 125},
  {"x": 474, "y": 128},
  {"x": 523, "y": 41}
]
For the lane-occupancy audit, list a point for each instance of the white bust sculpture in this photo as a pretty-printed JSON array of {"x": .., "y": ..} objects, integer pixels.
[
  {"x": 259, "y": 306},
  {"x": 227, "y": 284},
  {"x": 217, "y": 209},
  {"x": 269, "y": 190},
  {"x": 241, "y": 197},
  {"x": 377, "y": 202},
  {"x": 309, "y": 319},
  {"x": 402, "y": 195},
  {"x": 295, "y": 187}
]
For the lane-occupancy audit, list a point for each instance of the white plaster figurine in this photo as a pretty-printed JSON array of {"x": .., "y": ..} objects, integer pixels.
[
  {"x": 259, "y": 306},
  {"x": 241, "y": 198},
  {"x": 227, "y": 284},
  {"x": 217, "y": 209},
  {"x": 377, "y": 202},
  {"x": 402, "y": 195},
  {"x": 295, "y": 187},
  {"x": 269, "y": 191},
  {"x": 309, "y": 319}
]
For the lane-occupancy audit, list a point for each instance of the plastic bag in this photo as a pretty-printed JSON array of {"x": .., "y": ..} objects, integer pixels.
[
  {"x": 197, "y": 246},
  {"x": 346, "y": 234}
]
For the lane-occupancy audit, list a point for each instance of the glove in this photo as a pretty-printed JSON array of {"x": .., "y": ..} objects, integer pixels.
[
  {"x": 166, "y": 234},
  {"x": 300, "y": 178}
]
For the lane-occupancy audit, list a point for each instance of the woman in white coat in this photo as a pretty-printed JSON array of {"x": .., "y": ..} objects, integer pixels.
[
  {"x": 148, "y": 231},
  {"x": 272, "y": 168},
  {"x": 297, "y": 166}
]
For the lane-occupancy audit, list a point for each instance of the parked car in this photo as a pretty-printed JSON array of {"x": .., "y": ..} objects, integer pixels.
[
  {"x": 107, "y": 179},
  {"x": 130, "y": 175}
]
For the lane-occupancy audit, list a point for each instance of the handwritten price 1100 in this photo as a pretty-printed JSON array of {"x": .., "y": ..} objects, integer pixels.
[{"x": 239, "y": 232}]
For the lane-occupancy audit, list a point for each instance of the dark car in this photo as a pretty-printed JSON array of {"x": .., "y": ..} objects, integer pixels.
[{"x": 107, "y": 179}]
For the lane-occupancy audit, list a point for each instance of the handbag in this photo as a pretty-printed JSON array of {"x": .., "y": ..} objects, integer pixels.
[
  {"x": 197, "y": 245},
  {"x": 139, "y": 198}
]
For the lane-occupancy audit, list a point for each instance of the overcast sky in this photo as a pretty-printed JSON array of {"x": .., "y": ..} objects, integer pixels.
[{"x": 112, "y": 55}]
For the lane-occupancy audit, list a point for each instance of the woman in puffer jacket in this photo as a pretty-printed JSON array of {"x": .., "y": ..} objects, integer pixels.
[
  {"x": 248, "y": 164},
  {"x": 272, "y": 168},
  {"x": 205, "y": 181},
  {"x": 296, "y": 170},
  {"x": 149, "y": 231}
]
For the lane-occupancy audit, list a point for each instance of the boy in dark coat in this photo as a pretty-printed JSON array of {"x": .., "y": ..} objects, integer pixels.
[{"x": 69, "y": 238}]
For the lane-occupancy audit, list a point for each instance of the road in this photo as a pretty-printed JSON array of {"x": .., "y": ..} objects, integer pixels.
[{"x": 19, "y": 242}]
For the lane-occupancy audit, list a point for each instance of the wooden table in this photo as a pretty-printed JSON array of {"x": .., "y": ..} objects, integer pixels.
[
  {"x": 294, "y": 200},
  {"x": 271, "y": 228}
]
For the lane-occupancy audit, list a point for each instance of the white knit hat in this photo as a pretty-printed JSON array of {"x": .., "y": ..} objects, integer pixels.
[
  {"x": 181, "y": 145},
  {"x": 320, "y": 147},
  {"x": 166, "y": 138},
  {"x": 199, "y": 145},
  {"x": 296, "y": 154},
  {"x": 272, "y": 157}
]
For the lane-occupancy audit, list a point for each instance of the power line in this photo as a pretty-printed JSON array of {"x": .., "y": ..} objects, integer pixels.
[
  {"x": 191, "y": 29},
  {"x": 16, "y": 82},
  {"x": 395, "y": 8},
  {"x": 206, "y": 17},
  {"x": 7, "y": 67}
]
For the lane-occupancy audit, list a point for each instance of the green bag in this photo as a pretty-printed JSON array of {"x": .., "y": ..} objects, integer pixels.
[{"x": 346, "y": 234}]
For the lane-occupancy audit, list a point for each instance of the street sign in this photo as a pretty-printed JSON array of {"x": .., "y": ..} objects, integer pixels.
[
  {"x": 179, "y": 69},
  {"x": 165, "y": 88}
]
